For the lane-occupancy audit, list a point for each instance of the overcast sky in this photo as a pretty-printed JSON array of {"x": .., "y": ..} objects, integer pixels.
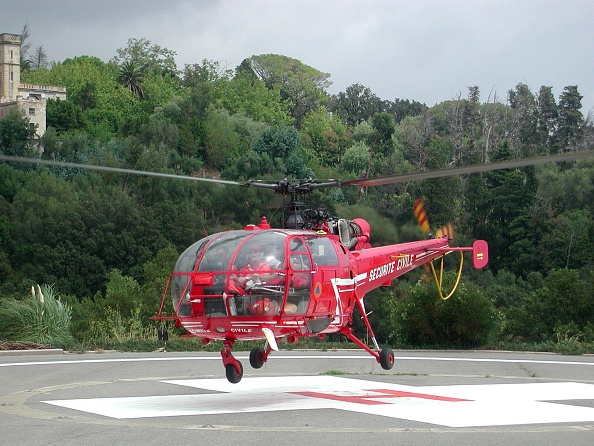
[{"x": 424, "y": 50}]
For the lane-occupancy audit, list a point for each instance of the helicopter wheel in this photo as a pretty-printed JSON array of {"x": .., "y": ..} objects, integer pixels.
[
  {"x": 231, "y": 371},
  {"x": 386, "y": 357},
  {"x": 257, "y": 356}
]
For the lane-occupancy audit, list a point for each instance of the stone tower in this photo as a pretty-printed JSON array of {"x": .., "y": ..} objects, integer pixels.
[
  {"x": 28, "y": 99},
  {"x": 10, "y": 66}
]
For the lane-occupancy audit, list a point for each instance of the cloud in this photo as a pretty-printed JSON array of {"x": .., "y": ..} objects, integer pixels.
[{"x": 429, "y": 51}]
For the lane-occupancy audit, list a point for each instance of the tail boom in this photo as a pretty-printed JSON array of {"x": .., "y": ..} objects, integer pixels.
[{"x": 379, "y": 266}]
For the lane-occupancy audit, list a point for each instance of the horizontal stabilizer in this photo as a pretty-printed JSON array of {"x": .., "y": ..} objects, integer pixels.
[{"x": 480, "y": 254}]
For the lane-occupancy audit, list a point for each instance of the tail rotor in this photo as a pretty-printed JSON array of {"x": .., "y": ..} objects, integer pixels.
[
  {"x": 445, "y": 231},
  {"x": 421, "y": 216}
]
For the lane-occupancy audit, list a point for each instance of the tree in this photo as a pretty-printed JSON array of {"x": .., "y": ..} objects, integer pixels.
[
  {"x": 277, "y": 142},
  {"x": 221, "y": 142},
  {"x": 25, "y": 46},
  {"x": 524, "y": 127},
  {"x": 498, "y": 204},
  {"x": 325, "y": 135},
  {"x": 401, "y": 108},
  {"x": 564, "y": 301},
  {"x": 569, "y": 240},
  {"x": 86, "y": 98},
  {"x": 63, "y": 116},
  {"x": 356, "y": 104},
  {"x": 201, "y": 79},
  {"x": 254, "y": 165},
  {"x": 413, "y": 133},
  {"x": 548, "y": 114},
  {"x": 441, "y": 194},
  {"x": 384, "y": 126},
  {"x": 91, "y": 84},
  {"x": 158, "y": 133},
  {"x": 570, "y": 117},
  {"x": 300, "y": 84},
  {"x": 472, "y": 125},
  {"x": 467, "y": 319},
  {"x": 16, "y": 135},
  {"x": 245, "y": 93},
  {"x": 39, "y": 59},
  {"x": 158, "y": 91},
  {"x": 355, "y": 159},
  {"x": 147, "y": 56},
  {"x": 131, "y": 76}
]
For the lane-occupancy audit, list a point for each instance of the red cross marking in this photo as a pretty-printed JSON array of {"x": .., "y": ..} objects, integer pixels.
[{"x": 379, "y": 393}]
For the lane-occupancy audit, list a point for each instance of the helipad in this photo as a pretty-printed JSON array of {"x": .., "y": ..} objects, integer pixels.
[{"x": 452, "y": 406}]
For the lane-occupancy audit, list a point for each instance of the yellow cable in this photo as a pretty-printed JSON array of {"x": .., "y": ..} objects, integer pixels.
[{"x": 439, "y": 282}]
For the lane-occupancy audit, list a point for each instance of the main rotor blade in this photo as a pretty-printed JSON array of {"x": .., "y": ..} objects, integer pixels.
[
  {"x": 417, "y": 176},
  {"x": 115, "y": 170},
  {"x": 285, "y": 187}
]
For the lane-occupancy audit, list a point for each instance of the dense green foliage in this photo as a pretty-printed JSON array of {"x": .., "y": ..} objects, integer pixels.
[{"x": 107, "y": 242}]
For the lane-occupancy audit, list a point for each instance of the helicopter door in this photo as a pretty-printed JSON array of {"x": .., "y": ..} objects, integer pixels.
[
  {"x": 301, "y": 271},
  {"x": 300, "y": 268}
]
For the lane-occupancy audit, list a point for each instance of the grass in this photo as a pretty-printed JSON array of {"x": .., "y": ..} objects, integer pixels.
[
  {"x": 40, "y": 319},
  {"x": 335, "y": 373}
]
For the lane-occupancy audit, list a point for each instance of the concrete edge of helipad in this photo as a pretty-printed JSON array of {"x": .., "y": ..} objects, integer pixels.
[{"x": 41, "y": 351}]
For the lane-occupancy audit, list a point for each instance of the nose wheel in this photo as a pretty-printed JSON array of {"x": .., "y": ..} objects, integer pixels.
[
  {"x": 233, "y": 374},
  {"x": 233, "y": 368}
]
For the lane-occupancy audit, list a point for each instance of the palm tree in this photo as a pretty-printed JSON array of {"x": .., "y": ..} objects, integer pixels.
[
  {"x": 25, "y": 65},
  {"x": 131, "y": 76}
]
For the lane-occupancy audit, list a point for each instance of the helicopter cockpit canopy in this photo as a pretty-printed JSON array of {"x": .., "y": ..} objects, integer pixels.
[
  {"x": 226, "y": 274},
  {"x": 216, "y": 253}
]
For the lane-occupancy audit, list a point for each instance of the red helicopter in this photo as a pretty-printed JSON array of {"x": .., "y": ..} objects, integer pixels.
[
  {"x": 303, "y": 280},
  {"x": 264, "y": 283}
]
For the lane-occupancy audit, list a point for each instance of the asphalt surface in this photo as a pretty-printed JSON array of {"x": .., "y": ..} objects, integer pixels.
[{"x": 298, "y": 397}]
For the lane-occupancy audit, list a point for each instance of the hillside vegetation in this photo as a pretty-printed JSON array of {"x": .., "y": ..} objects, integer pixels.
[{"x": 105, "y": 243}]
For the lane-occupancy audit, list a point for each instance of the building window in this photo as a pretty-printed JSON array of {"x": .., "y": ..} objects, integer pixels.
[{"x": 31, "y": 112}]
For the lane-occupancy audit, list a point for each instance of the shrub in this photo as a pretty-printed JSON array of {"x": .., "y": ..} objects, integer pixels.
[
  {"x": 42, "y": 319},
  {"x": 564, "y": 299},
  {"x": 467, "y": 319}
]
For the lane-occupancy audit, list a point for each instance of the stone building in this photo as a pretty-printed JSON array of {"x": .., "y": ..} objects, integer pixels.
[{"x": 28, "y": 99}]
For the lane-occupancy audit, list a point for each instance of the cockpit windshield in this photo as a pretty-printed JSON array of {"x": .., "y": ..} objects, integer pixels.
[
  {"x": 187, "y": 261},
  {"x": 239, "y": 273},
  {"x": 267, "y": 248},
  {"x": 219, "y": 252}
]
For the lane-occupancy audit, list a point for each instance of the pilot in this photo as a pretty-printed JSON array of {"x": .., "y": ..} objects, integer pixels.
[
  {"x": 222, "y": 256},
  {"x": 275, "y": 258},
  {"x": 254, "y": 272}
]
